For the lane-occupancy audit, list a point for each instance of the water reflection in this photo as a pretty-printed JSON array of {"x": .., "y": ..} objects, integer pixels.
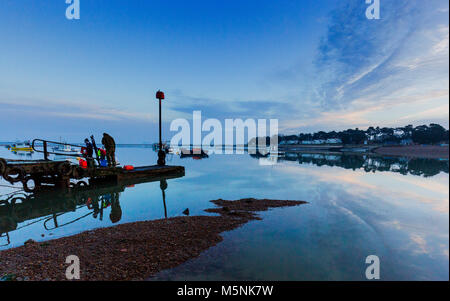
[
  {"x": 20, "y": 210},
  {"x": 415, "y": 166},
  {"x": 351, "y": 214},
  {"x": 23, "y": 154},
  {"x": 163, "y": 186}
]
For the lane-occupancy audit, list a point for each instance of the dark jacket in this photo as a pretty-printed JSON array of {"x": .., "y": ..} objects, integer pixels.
[
  {"x": 89, "y": 150},
  {"x": 108, "y": 142}
]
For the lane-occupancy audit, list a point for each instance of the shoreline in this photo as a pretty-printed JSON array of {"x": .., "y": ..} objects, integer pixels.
[
  {"x": 408, "y": 151},
  {"x": 415, "y": 151},
  {"x": 133, "y": 251}
]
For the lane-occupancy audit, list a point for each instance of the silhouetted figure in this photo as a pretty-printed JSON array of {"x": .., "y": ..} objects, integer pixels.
[
  {"x": 89, "y": 148},
  {"x": 110, "y": 146},
  {"x": 88, "y": 155},
  {"x": 93, "y": 205}
]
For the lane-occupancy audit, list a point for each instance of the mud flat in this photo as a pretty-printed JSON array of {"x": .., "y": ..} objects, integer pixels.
[
  {"x": 133, "y": 251},
  {"x": 415, "y": 151}
]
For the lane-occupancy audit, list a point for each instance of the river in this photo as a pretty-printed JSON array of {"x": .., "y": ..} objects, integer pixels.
[{"x": 394, "y": 208}]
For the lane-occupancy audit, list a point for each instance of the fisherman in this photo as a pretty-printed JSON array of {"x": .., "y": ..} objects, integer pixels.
[
  {"x": 89, "y": 148},
  {"x": 88, "y": 154},
  {"x": 110, "y": 146}
]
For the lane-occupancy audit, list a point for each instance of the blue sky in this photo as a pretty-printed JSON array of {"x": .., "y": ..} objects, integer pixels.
[{"x": 314, "y": 65}]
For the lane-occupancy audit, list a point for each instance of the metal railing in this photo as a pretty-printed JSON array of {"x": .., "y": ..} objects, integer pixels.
[{"x": 46, "y": 152}]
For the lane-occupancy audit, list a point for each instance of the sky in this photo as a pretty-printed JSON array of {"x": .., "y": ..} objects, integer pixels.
[{"x": 313, "y": 65}]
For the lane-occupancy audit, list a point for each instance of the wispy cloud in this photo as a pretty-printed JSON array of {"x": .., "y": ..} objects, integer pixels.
[
  {"x": 369, "y": 71},
  {"x": 70, "y": 109},
  {"x": 223, "y": 108},
  {"x": 360, "y": 73}
]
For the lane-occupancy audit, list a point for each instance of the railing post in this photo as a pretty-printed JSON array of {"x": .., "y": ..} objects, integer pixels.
[{"x": 45, "y": 151}]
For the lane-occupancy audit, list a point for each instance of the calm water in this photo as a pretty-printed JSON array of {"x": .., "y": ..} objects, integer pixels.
[{"x": 393, "y": 208}]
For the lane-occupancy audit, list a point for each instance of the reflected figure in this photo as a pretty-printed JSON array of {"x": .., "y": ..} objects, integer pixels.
[
  {"x": 116, "y": 211},
  {"x": 92, "y": 204}
]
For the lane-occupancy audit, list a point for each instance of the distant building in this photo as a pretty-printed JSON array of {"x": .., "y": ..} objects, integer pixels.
[
  {"x": 318, "y": 141},
  {"x": 288, "y": 142},
  {"x": 334, "y": 141},
  {"x": 322, "y": 141},
  {"x": 292, "y": 142},
  {"x": 399, "y": 133},
  {"x": 380, "y": 137}
]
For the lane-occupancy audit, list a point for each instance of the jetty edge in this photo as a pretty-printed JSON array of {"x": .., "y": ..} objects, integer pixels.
[{"x": 37, "y": 175}]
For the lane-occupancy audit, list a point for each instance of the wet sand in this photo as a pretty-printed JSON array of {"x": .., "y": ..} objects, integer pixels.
[
  {"x": 415, "y": 151},
  {"x": 133, "y": 251}
]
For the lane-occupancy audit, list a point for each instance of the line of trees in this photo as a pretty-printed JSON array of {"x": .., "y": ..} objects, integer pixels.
[
  {"x": 430, "y": 134},
  {"x": 423, "y": 134}
]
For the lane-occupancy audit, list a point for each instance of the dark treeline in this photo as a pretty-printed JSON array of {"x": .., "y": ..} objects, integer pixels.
[{"x": 423, "y": 134}]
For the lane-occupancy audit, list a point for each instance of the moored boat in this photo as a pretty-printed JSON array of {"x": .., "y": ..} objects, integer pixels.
[{"x": 21, "y": 147}]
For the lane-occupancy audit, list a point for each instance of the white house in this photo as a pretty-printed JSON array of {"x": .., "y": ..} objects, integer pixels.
[
  {"x": 399, "y": 133},
  {"x": 334, "y": 141},
  {"x": 318, "y": 141}
]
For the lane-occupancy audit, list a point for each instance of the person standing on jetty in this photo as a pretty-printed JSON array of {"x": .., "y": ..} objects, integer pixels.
[
  {"x": 110, "y": 146},
  {"x": 88, "y": 154}
]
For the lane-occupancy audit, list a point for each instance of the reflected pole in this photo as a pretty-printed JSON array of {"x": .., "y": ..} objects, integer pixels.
[{"x": 163, "y": 186}]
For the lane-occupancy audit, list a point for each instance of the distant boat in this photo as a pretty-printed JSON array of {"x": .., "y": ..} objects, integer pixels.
[
  {"x": 63, "y": 147},
  {"x": 21, "y": 147},
  {"x": 195, "y": 153},
  {"x": 165, "y": 147}
]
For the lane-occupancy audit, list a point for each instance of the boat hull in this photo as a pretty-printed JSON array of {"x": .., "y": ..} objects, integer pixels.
[{"x": 21, "y": 149}]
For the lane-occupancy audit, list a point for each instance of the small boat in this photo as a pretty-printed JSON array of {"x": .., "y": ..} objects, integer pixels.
[
  {"x": 64, "y": 148},
  {"x": 165, "y": 147},
  {"x": 21, "y": 147},
  {"x": 195, "y": 153}
]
